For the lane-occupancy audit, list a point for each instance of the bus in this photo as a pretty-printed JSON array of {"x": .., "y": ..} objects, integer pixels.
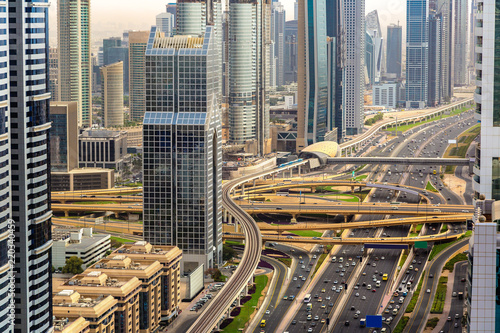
[
  {"x": 307, "y": 299},
  {"x": 309, "y": 306}
]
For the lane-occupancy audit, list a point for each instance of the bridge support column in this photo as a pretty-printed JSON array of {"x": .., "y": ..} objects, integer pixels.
[
  {"x": 291, "y": 172},
  {"x": 273, "y": 177},
  {"x": 352, "y": 189},
  {"x": 299, "y": 170},
  {"x": 242, "y": 189},
  {"x": 263, "y": 244},
  {"x": 313, "y": 189},
  {"x": 117, "y": 215},
  {"x": 235, "y": 227},
  {"x": 254, "y": 182},
  {"x": 66, "y": 213},
  {"x": 224, "y": 215},
  {"x": 413, "y": 228}
]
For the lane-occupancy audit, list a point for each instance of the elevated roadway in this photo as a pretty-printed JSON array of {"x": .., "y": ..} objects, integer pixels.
[
  {"x": 366, "y": 224},
  {"x": 368, "y": 135},
  {"x": 63, "y": 198},
  {"x": 345, "y": 208},
  {"x": 111, "y": 191},
  {"x": 447, "y": 236},
  {"x": 401, "y": 161}
]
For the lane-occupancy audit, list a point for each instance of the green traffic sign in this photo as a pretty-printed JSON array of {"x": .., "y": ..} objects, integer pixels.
[{"x": 420, "y": 245}]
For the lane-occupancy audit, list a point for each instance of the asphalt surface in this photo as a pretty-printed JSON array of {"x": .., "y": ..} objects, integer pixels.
[
  {"x": 424, "y": 303},
  {"x": 402, "y": 146},
  {"x": 279, "y": 307},
  {"x": 457, "y": 305}
]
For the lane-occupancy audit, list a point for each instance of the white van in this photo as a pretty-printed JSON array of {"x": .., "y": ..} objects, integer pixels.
[
  {"x": 341, "y": 259},
  {"x": 334, "y": 259},
  {"x": 377, "y": 284}
]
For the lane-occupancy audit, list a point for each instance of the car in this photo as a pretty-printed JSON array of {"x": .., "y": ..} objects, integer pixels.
[
  {"x": 316, "y": 317},
  {"x": 416, "y": 269},
  {"x": 346, "y": 323},
  {"x": 334, "y": 288},
  {"x": 431, "y": 276},
  {"x": 323, "y": 320},
  {"x": 294, "y": 322},
  {"x": 328, "y": 298},
  {"x": 357, "y": 295},
  {"x": 314, "y": 257},
  {"x": 268, "y": 312},
  {"x": 456, "y": 325},
  {"x": 299, "y": 286},
  {"x": 457, "y": 316},
  {"x": 462, "y": 280},
  {"x": 323, "y": 306},
  {"x": 391, "y": 301},
  {"x": 303, "y": 278},
  {"x": 330, "y": 305},
  {"x": 291, "y": 297},
  {"x": 335, "y": 282},
  {"x": 323, "y": 290},
  {"x": 449, "y": 319},
  {"x": 303, "y": 266},
  {"x": 356, "y": 287},
  {"x": 428, "y": 291},
  {"x": 309, "y": 330},
  {"x": 374, "y": 290},
  {"x": 356, "y": 316},
  {"x": 454, "y": 294},
  {"x": 387, "y": 311},
  {"x": 285, "y": 297},
  {"x": 316, "y": 296},
  {"x": 364, "y": 273},
  {"x": 320, "y": 299},
  {"x": 308, "y": 269},
  {"x": 294, "y": 278},
  {"x": 374, "y": 265}
]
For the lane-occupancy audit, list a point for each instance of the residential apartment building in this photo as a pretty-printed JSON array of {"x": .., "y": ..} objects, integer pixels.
[
  {"x": 65, "y": 325},
  {"x": 385, "y": 94},
  {"x": 102, "y": 149},
  {"x": 170, "y": 257}
]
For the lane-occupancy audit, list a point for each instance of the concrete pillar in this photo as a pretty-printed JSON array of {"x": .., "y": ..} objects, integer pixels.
[
  {"x": 254, "y": 182},
  {"x": 236, "y": 227},
  {"x": 273, "y": 176},
  {"x": 299, "y": 169},
  {"x": 224, "y": 215},
  {"x": 66, "y": 213},
  {"x": 291, "y": 172},
  {"x": 242, "y": 189}
]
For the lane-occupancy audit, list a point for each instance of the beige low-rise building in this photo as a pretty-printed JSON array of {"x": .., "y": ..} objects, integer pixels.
[
  {"x": 66, "y": 325},
  {"x": 124, "y": 289},
  {"x": 149, "y": 272},
  {"x": 169, "y": 257},
  {"x": 99, "y": 311}
]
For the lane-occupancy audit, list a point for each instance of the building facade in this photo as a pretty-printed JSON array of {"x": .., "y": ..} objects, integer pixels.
[
  {"x": 445, "y": 8},
  {"x": 165, "y": 23},
  {"x": 385, "y": 94},
  {"x": 112, "y": 94},
  {"x": 278, "y": 17},
  {"x": 137, "y": 74},
  {"x": 74, "y": 56},
  {"x": 64, "y": 136},
  {"x": 290, "y": 52},
  {"x": 80, "y": 243},
  {"x": 417, "y": 66},
  {"x": 394, "y": 50},
  {"x": 486, "y": 178},
  {"x": 102, "y": 149},
  {"x": 461, "y": 39},
  {"x": 373, "y": 30},
  {"x": 354, "y": 65},
  {"x": 29, "y": 146},
  {"x": 182, "y": 147},
  {"x": 54, "y": 73},
  {"x": 248, "y": 60},
  {"x": 435, "y": 92}
]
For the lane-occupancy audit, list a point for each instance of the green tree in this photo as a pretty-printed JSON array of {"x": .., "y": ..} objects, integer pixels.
[
  {"x": 73, "y": 265},
  {"x": 228, "y": 253}
]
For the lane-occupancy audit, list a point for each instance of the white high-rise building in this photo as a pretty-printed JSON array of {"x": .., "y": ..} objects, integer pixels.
[
  {"x": 486, "y": 178},
  {"x": 374, "y": 62},
  {"x": 461, "y": 40},
  {"x": 354, "y": 65},
  {"x": 248, "y": 57},
  {"x": 73, "y": 18},
  {"x": 165, "y": 22}
]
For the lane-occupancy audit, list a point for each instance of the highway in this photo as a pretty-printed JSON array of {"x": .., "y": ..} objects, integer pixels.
[{"x": 457, "y": 305}]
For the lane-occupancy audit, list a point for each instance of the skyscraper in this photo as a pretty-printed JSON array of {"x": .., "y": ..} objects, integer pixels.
[
  {"x": 417, "y": 39},
  {"x": 435, "y": 68},
  {"x": 313, "y": 121},
  {"x": 486, "y": 178},
  {"x": 461, "y": 17},
  {"x": 445, "y": 9},
  {"x": 182, "y": 147},
  {"x": 29, "y": 160},
  {"x": 354, "y": 65},
  {"x": 137, "y": 73},
  {"x": 375, "y": 32},
  {"x": 394, "y": 50},
  {"x": 74, "y": 56},
  {"x": 107, "y": 45},
  {"x": 165, "y": 22},
  {"x": 290, "y": 52},
  {"x": 112, "y": 94},
  {"x": 248, "y": 57},
  {"x": 278, "y": 38},
  {"x": 54, "y": 73}
]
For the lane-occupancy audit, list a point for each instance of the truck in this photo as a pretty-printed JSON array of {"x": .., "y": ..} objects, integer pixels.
[
  {"x": 309, "y": 307},
  {"x": 362, "y": 322},
  {"x": 460, "y": 295}
]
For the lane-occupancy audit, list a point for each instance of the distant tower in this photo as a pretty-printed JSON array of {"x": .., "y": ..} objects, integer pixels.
[
  {"x": 354, "y": 66},
  {"x": 375, "y": 33},
  {"x": 137, "y": 74},
  {"x": 165, "y": 23},
  {"x": 54, "y": 73},
  {"x": 417, "y": 39},
  {"x": 73, "y": 18},
  {"x": 394, "y": 50},
  {"x": 249, "y": 39},
  {"x": 461, "y": 37},
  {"x": 112, "y": 94},
  {"x": 278, "y": 37}
]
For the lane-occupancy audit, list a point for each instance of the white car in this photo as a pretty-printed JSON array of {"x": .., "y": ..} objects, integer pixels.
[{"x": 268, "y": 312}]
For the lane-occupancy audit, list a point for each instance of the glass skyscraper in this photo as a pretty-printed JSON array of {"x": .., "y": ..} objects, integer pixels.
[
  {"x": 182, "y": 147},
  {"x": 417, "y": 38},
  {"x": 394, "y": 50}
]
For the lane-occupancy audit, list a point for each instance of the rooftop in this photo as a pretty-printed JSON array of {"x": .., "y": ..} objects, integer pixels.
[{"x": 70, "y": 325}]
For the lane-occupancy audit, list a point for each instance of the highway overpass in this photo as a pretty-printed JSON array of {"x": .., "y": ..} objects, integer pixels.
[{"x": 436, "y": 162}]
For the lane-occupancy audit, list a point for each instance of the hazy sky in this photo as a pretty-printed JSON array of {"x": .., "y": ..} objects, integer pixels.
[{"x": 111, "y": 17}]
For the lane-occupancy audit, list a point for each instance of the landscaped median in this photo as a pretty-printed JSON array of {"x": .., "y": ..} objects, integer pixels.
[
  {"x": 440, "y": 297},
  {"x": 243, "y": 313}
]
